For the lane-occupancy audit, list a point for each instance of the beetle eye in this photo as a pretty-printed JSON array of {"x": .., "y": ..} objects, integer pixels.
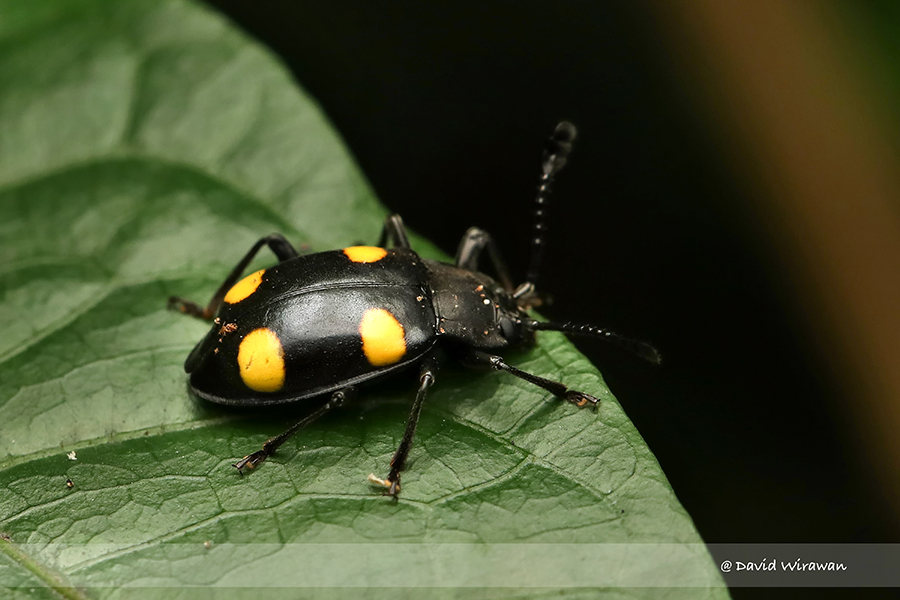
[{"x": 508, "y": 328}]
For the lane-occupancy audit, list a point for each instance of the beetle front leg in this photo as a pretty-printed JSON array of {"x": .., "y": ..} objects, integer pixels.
[
  {"x": 479, "y": 359},
  {"x": 398, "y": 462},
  {"x": 279, "y": 246},
  {"x": 251, "y": 461}
]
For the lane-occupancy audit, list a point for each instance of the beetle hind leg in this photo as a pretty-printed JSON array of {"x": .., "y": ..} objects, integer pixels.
[{"x": 276, "y": 242}]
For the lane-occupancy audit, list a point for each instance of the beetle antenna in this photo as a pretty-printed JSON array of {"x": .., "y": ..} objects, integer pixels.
[
  {"x": 641, "y": 349},
  {"x": 556, "y": 152}
]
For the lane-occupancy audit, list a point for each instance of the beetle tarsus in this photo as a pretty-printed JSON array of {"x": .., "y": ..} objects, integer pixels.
[
  {"x": 580, "y": 399},
  {"x": 188, "y": 308},
  {"x": 251, "y": 461},
  {"x": 392, "y": 484}
]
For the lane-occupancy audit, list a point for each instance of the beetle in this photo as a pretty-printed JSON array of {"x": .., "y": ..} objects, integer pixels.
[{"x": 318, "y": 325}]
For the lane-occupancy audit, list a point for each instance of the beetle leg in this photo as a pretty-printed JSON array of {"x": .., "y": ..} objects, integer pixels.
[
  {"x": 394, "y": 233},
  {"x": 398, "y": 462},
  {"x": 279, "y": 246},
  {"x": 251, "y": 461},
  {"x": 473, "y": 243},
  {"x": 476, "y": 358}
]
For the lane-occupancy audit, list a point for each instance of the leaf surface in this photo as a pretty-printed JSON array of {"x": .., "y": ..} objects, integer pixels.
[{"x": 146, "y": 146}]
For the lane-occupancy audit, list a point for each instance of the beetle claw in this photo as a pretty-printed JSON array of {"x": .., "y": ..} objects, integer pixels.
[
  {"x": 251, "y": 461},
  {"x": 377, "y": 480},
  {"x": 392, "y": 485},
  {"x": 580, "y": 399}
]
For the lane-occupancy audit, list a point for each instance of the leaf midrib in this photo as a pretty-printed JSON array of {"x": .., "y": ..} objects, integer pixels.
[{"x": 53, "y": 579}]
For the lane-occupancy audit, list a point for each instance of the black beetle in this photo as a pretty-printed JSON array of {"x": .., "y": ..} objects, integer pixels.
[{"x": 323, "y": 323}]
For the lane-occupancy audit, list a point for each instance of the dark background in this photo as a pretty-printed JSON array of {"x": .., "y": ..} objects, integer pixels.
[{"x": 652, "y": 233}]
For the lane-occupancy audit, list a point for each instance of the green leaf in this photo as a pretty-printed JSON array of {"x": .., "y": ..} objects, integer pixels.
[{"x": 145, "y": 146}]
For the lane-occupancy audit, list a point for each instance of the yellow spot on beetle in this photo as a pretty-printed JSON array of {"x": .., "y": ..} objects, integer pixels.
[
  {"x": 244, "y": 288},
  {"x": 261, "y": 361},
  {"x": 382, "y": 337},
  {"x": 365, "y": 254}
]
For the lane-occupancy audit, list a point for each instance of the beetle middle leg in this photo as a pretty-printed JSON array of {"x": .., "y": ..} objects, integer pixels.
[
  {"x": 474, "y": 242},
  {"x": 394, "y": 233},
  {"x": 398, "y": 462},
  {"x": 279, "y": 246},
  {"x": 479, "y": 359},
  {"x": 251, "y": 461}
]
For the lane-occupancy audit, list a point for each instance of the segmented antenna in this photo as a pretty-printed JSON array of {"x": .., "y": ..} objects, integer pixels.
[
  {"x": 641, "y": 349},
  {"x": 556, "y": 152}
]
